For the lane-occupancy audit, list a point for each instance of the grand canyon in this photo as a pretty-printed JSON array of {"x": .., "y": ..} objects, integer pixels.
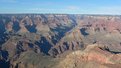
[{"x": 60, "y": 41}]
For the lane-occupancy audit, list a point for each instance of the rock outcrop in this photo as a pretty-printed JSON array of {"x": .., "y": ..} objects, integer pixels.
[{"x": 92, "y": 57}]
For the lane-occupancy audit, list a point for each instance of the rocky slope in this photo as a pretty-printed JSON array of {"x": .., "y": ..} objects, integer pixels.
[
  {"x": 94, "y": 56},
  {"x": 52, "y": 40}
]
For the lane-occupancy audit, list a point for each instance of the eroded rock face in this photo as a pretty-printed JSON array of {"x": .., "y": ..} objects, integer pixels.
[
  {"x": 93, "y": 56},
  {"x": 71, "y": 41},
  {"x": 61, "y": 36}
]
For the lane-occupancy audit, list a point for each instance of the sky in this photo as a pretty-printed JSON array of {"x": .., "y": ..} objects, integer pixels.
[{"x": 112, "y": 7}]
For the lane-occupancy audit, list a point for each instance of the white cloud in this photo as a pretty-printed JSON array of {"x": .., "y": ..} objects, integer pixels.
[
  {"x": 57, "y": 10},
  {"x": 72, "y": 7}
]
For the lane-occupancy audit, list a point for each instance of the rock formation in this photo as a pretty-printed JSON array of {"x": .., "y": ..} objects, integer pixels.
[{"x": 60, "y": 41}]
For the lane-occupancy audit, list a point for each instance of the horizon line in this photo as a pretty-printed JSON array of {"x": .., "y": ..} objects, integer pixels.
[{"x": 64, "y": 13}]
